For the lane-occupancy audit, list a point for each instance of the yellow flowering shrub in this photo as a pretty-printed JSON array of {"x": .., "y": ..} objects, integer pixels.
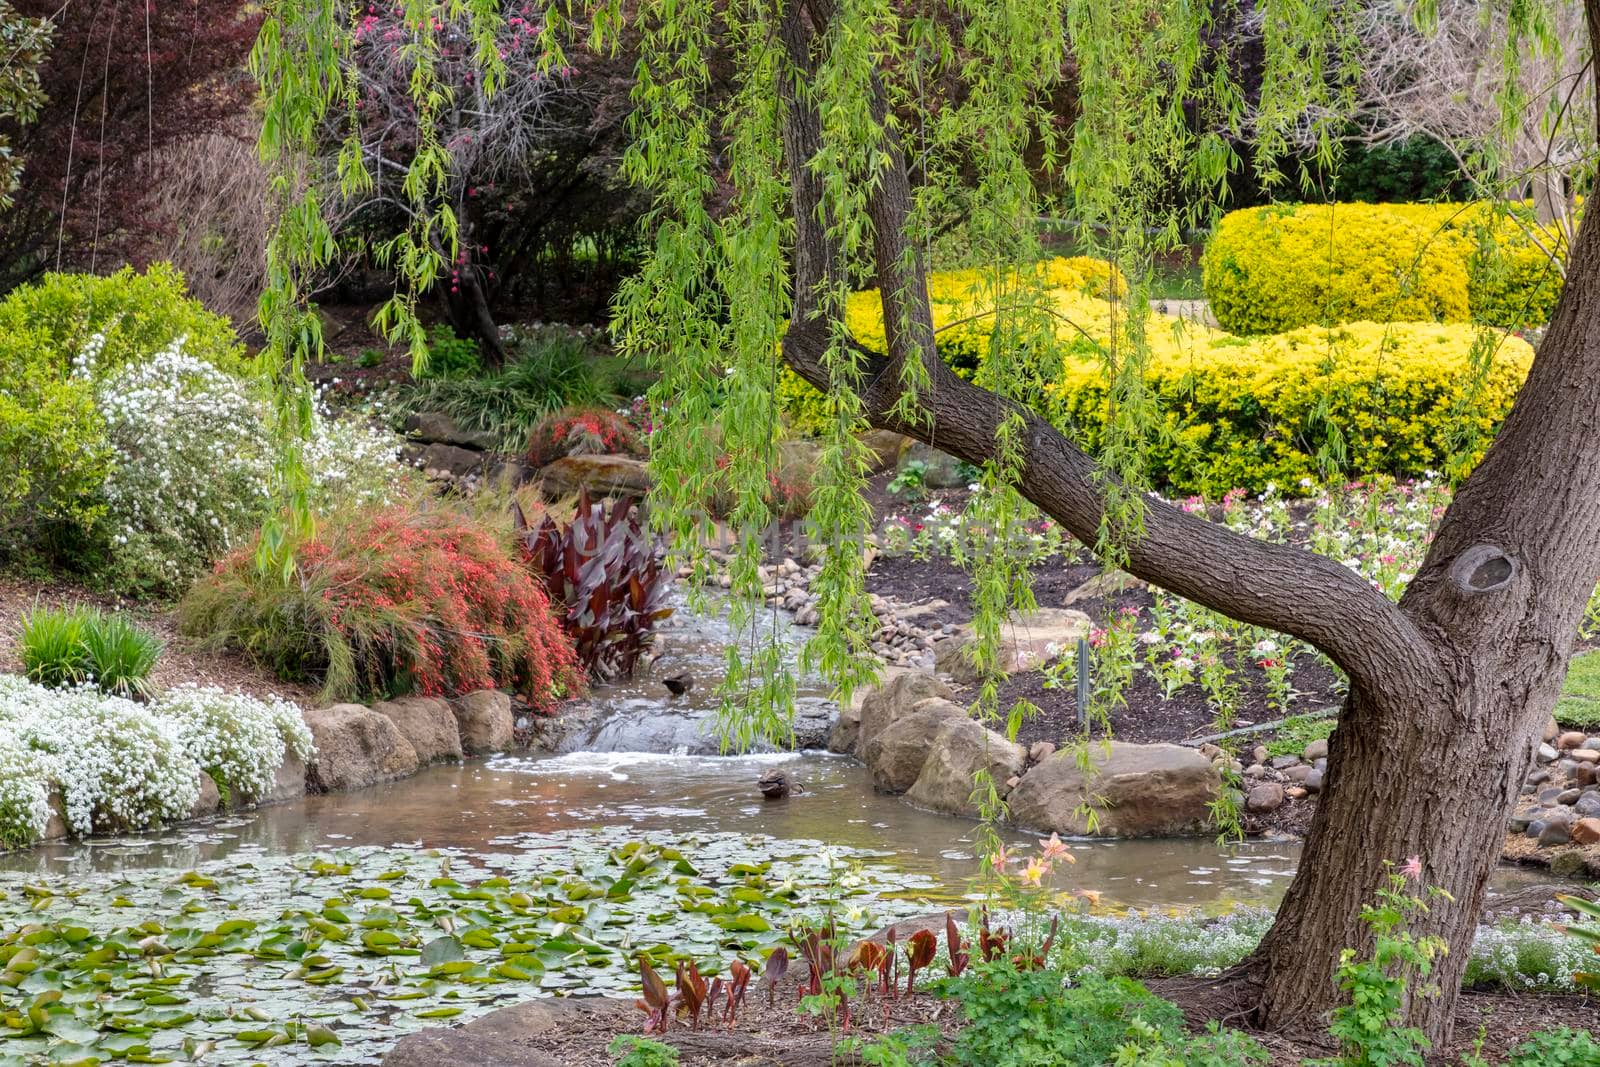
[
  {"x": 1275, "y": 268},
  {"x": 963, "y": 304},
  {"x": 1243, "y": 412},
  {"x": 1237, "y": 412},
  {"x": 1279, "y": 267}
]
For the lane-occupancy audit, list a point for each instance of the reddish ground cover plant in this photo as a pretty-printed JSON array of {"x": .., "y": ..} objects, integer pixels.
[
  {"x": 581, "y": 432},
  {"x": 393, "y": 600}
]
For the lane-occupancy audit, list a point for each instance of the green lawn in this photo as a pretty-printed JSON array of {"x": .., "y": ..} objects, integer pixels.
[{"x": 1579, "y": 706}]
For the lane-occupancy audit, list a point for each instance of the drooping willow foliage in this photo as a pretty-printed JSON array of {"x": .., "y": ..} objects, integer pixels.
[{"x": 965, "y": 91}]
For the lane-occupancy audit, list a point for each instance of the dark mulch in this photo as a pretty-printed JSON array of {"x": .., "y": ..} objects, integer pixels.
[
  {"x": 1148, "y": 715},
  {"x": 1503, "y": 1020},
  {"x": 577, "y": 1033}
]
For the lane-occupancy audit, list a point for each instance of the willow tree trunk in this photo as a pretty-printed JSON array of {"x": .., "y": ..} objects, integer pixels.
[{"x": 1448, "y": 688}]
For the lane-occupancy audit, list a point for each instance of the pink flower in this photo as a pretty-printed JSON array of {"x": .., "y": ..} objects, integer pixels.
[
  {"x": 1413, "y": 868},
  {"x": 1000, "y": 858},
  {"x": 1054, "y": 848}
]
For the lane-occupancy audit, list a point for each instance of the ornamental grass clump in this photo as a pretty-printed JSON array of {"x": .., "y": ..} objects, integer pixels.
[
  {"x": 65, "y": 647},
  {"x": 390, "y": 600}
]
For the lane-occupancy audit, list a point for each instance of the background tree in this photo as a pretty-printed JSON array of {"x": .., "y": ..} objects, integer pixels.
[
  {"x": 531, "y": 176},
  {"x": 833, "y": 174},
  {"x": 23, "y": 42},
  {"x": 122, "y": 82}
]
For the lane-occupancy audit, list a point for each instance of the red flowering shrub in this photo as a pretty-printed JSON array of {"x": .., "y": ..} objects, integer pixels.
[
  {"x": 581, "y": 432},
  {"x": 387, "y": 601}
]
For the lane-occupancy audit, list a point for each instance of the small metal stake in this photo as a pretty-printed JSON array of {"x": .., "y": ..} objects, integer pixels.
[{"x": 1083, "y": 682}]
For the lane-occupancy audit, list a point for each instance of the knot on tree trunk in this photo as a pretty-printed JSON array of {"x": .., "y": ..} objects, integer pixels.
[{"x": 1483, "y": 569}]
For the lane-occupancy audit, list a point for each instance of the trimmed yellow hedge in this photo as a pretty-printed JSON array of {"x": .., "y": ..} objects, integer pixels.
[
  {"x": 1239, "y": 412},
  {"x": 962, "y": 302},
  {"x": 1276, "y": 268},
  {"x": 1245, "y": 412}
]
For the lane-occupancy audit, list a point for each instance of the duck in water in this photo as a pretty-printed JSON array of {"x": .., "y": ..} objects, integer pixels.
[{"x": 776, "y": 784}]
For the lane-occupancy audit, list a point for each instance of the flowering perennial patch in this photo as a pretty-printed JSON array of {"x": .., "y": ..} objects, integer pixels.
[{"x": 120, "y": 765}]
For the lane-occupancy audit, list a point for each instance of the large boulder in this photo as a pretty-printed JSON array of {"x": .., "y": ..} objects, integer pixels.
[
  {"x": 428, "y": 723},
  {"x": 209, "y": 799},
  {"x": 1134, "y": 791},
  {"x": 884, "y": 448},
  {"x": 449, "y": 461},
  {"x": 846, "y": 734},
  {"x": 437, "y": 428},
  {"x": 484, "y": 722},
  {"x": 288, "y": 781},
  {"x": 1027, "y": 642},
  {"x": 893, "y": 700},
  {"x": 961, "y": 749},
  {"x": 895, "y": 755},
  {"x": 601, "y": 475},
  {"x": 356, "y": 747}
]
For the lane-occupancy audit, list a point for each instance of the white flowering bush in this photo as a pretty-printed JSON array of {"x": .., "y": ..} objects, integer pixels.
[
  {"x": 193, "y": 461},
  {"x": 239, "y": 740},
  {"x": 192, "y": 469},
  {"x": 25, "y": 776},
  {"x": 1527, "y": 955},
  {"x": 118, "y": 765},
  {"x": 352, "y": 462}
]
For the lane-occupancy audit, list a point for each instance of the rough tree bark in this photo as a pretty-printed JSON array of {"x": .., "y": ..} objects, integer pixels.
[{"x": 1447, "y": 689}]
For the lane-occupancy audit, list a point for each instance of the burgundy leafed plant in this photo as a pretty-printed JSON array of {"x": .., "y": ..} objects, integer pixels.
[
  {"x": 608, "y": 574},
  {"x": 691, "y": 992},
  {"x": 655, "y": 1001},
  {"x": 958, "y": 951},
  {"x": 738, "y": 982},
  {"x": 776, "y": 967},
  {"x": 919, "y": 954}
]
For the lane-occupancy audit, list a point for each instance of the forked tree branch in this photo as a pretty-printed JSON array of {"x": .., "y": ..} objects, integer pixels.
[{"x": 1258, "y": 582}]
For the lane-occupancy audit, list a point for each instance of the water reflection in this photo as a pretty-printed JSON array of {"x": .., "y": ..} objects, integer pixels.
[{"x": 488, "y": 807}]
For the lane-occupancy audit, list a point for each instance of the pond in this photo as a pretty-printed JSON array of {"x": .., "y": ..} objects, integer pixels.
[{"x": 327, "y": 928}]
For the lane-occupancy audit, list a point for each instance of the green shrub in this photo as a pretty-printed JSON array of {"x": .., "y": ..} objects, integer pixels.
[
  {"x": 1018, "y": 1018},
  {"x": 1579, "y": 706},
  {"x": 133, "y": 314},
  {"x": 1556, "y": 1048},
  {"x": 64, "y": 647},
  {"x": 634, "y": 1051},
  {"x": 544, "y": 372},
  {"x": 55, "y": 449},
  {"x": 450, "y": 356},
  {"x": 1276, "y": 268},
  {"x": 391, "y": 600},
  {"x": 1297, "y": 732}
]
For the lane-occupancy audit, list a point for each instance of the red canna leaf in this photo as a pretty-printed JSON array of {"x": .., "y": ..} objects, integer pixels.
[
  {"x": 958, "y": 952},
  {"x": 772, "y": 973},
  {"x": 919, "y": 954}
]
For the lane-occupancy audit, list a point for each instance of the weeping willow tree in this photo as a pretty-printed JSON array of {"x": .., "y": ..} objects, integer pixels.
[{"x": 855, "y": 131}]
